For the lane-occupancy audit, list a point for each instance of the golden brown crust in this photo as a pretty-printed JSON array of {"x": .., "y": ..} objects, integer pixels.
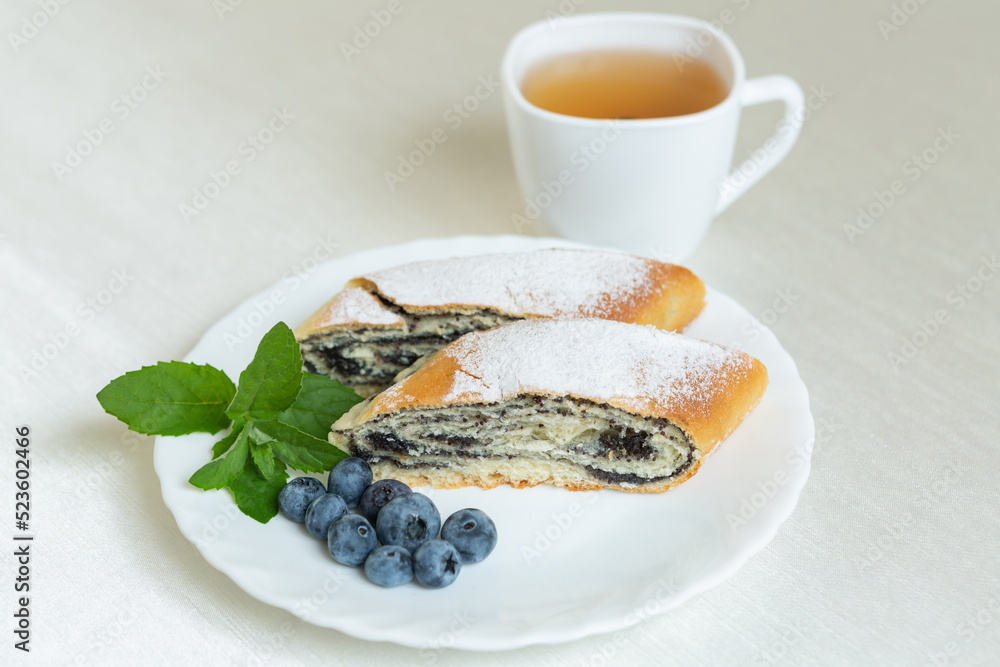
[
  {"x": 669, "y": 297},
  {"x": 350, "y": 308},
  {"x": 705, "y": 422},
  {"x": 706, "y": 418},
  {"x": 721, "y": 387},
  {"x": 708, "y": 423},
  {"x": 677, "y": 299},
  {"x": 664, "y": 295}
]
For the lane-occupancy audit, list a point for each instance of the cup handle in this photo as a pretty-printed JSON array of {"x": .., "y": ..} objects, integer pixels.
[{"x": 776, "y": 87}]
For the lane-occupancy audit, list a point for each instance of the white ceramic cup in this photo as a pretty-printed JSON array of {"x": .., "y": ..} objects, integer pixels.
[{"x": 650, "y": 186}]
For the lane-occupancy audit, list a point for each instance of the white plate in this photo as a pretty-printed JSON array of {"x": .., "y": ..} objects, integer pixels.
[{"x": 567, "y": 565}]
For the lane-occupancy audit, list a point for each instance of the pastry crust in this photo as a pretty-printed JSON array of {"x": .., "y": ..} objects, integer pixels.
[
  {"x": 351, "y": 308},
  {"x": 383, "y": 321},
  {"x": 613, "y": 286},
  {"x": 635, "y": 376}
]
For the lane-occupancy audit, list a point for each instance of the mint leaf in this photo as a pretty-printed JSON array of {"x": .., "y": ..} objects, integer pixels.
[
  {"x": 170, "y": 398},
  {"x": 300, "y": 450},
  {"x": 273, "y": 379},
  {"x": 256, "y": 494},
  {"x": 263, "y": 457},
  {"x": 321, "y": 402},
  {"x": 221, "y": 472},
  {"x": 222, "y": 446}
]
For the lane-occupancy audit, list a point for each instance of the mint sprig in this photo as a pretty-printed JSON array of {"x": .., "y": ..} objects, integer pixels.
[{"x": 279, "y": 416}]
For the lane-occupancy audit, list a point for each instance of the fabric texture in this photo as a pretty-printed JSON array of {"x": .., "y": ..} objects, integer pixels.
[{"x": 162, "y": 161}]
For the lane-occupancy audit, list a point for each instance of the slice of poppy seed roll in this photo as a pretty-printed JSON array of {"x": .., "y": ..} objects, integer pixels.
[
  {"x": 383, "y": 321},
  {"x": 584, "y": 404}
]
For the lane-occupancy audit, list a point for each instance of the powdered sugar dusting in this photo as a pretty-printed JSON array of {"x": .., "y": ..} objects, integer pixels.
[
  {"x": 551, "y": 283},
  {"x": 355, "y": 305},
  {"x": 635, "y": 366}
]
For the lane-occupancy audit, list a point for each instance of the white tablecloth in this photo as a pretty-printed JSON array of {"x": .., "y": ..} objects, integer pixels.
[{"x": 114, "y": 114}]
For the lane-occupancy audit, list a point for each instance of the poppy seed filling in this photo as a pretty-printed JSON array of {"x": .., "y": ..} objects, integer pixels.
[
  {"x": 601, "y": 442},
  {"x": 368, "y": 358}
]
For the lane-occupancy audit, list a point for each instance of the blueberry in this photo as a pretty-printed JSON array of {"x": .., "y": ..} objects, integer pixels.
[
  {"x": 472, "y": 533},
  {"x": 436, "y": 563},
  {"x": 296, "y": 495},
  {"x": 408, "y": 521},
  {"x": 389, "y": 566},
  {"x": 377, "y": 495},
  {"x": 350, "y": 539},
  {"x": 322, "y": 512},
  {"x": 349, "y": 479}
]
